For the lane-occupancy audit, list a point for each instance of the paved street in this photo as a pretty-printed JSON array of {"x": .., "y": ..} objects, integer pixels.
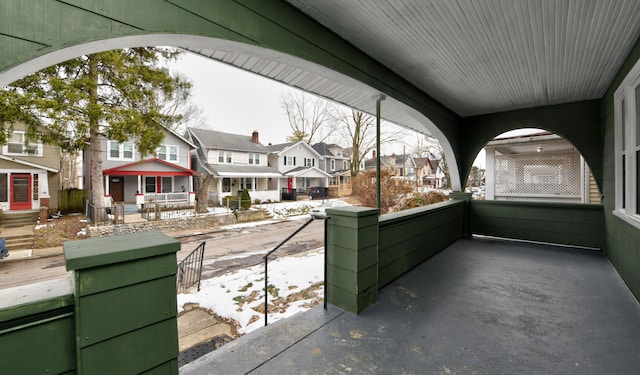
[{"x": 227, "y": 246}]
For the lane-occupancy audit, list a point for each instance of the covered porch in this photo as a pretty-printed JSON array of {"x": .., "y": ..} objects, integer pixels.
[{"x": 481, "y": 306}]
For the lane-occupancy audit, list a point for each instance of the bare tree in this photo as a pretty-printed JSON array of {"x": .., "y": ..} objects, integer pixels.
[
  {"x": 359, "y": 130},
  {"x": 307, "y": 116}
]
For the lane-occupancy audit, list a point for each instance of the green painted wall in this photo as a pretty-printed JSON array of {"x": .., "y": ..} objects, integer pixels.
[
  {"x": 352, "y": 258},
  {"x": 579, "y": 123},
  {"x": 38, "y": 338},
  {"x": 568, "y": 224},
  {"x": 125, "y": 303},
  {"x": 410, "y": 237},
  {"x": 622, "y": 239}
]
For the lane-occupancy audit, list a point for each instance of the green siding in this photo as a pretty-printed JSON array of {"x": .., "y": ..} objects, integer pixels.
[
  {"x": 568, "y": 224},
  {"x": 622, "y": 245},
  {"x": 579, "y": 123},
  {"x": 410, "y": 237},
  {"x": 38, "y": 338}
]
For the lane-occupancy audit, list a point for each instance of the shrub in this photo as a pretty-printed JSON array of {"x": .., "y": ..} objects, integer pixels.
[
  {"x": 392, "y": 189},
  {"x": 245, "y": 199}
]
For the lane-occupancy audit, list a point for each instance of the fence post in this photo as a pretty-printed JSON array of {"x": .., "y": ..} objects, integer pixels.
[{"x": 125, "y": 303}]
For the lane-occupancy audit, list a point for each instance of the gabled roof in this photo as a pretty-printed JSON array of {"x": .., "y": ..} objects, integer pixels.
[
  {"x": 28, "y": 163},
  {"x": 325, "y": 150},
  {"x": 285, "y": 147},
  {"x": 180, "y": 137},
  {"x": 307, "y": 172},
  {"x": 212, "y": 139},
  {"x": 153, "y": 166}
]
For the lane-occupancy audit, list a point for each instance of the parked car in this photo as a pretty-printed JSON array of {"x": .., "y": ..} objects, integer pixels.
[{"x": 319, "y": 212}]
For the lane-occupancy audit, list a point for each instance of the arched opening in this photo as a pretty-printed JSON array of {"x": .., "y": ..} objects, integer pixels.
[{"x": 532, "y": 164}]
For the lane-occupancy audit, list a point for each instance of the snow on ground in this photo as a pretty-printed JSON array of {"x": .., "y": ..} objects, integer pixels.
[{"x": 240, "y": 295}]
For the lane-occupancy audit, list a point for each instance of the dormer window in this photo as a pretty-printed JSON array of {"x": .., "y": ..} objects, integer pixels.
[{"x": 18, "y": 144}]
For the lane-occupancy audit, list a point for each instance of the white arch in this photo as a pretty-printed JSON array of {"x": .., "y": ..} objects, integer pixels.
[{"x": 421, "y": 122}]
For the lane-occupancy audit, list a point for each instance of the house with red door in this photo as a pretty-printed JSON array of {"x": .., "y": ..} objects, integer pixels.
[
  {"x": 29, "y": 173},
  {"x": 130, "y": 177}
]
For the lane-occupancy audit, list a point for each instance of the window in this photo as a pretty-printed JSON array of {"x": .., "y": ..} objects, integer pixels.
[
  {"x": 224, "y": 157},
  {"x": 308, "y": 162},
  {"x": 226, "y": 185},
  {"x": 254, "y": 159},
  {"x": 18, "y": 144},
  {"x": 345, "y": 165},
  {"x": 149, "y": 184},
  {"x": 289, "y": 160},
  {"x": 120, "y": 151},
  {"x": 627, "y": 148},
  {"x": 333, "y": 164},
  {"x": 168, "y": 153},
  {"x": 167, "y": 184},
  {"x": 246, "y": 183}
]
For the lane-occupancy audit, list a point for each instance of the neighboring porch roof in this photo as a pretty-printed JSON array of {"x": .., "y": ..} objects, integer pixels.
[
  {"x": 29, "y": 164},
  {"x": 342, "y": 172},
  {"x": 307, "y": 172},
  {"x": 153, "y": 166},
  {"x": 232, "y": 170}
]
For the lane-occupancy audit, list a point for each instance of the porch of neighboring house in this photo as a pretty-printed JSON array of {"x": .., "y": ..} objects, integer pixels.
[
  {"x": 152, "y": 181},
  {"x": 304, "y": 182},
  {"x": 340, "y": 184},
  {"x": 480, "y": 306},
  {"x": 263, "y": 187}
]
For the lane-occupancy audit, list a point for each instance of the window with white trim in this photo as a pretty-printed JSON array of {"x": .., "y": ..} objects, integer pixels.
[
  {"x": 289, "y": 160},
  {"x": 254, "y": 159},
  {"x": 309, "y": 162},
  {"x": 627, "y": 148},
  {"x": 224, "y": 157},
  {"x": 167, "y": 184},
  {"x": 149, "y": 184},
  {"x": 333, "y": 164},
  {"x": 120, "y": 151},
  {"x": 168, "y": 153},
  {"x": 18, "y": 144},
  {"x": 345, "y": 165}
]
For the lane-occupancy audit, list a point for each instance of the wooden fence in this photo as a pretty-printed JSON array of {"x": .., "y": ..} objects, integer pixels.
[{"x": 71, "y": 200}]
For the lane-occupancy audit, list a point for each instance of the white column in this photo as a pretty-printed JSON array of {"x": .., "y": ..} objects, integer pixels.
[
  {"x": 106, "y": 185},
  {"x": 490, "y": 173},
  {"x": 140, "y": 185}
]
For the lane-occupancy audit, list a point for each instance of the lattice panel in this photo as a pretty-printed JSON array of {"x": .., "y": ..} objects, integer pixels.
[{"x": 555, "y": 174}]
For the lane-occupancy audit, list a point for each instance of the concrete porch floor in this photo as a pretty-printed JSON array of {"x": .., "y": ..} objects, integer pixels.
[{"x": 481, "y": 306}]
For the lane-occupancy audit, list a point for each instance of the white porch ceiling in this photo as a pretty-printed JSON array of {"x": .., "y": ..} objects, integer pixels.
[{"x": 473, "y": 56}]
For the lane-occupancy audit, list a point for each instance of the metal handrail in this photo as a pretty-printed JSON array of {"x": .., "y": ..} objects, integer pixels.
[
  {"x": 266, "y": 269},
  {"x": 190, "y": 269}
]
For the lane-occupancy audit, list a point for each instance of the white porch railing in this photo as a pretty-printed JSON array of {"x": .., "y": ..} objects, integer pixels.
[{"x": 166, "y": 197}]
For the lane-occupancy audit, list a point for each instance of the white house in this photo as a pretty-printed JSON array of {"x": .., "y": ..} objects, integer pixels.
[
  {"x": 299, "y": 163},
  {"x": 236, "y": 162}
]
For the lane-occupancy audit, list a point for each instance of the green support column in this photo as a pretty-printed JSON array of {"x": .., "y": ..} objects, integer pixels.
[
  {"x": 125, "y": 303},
  {"x": 352, "y": 258},
  {"x": 466, "y": 197}
]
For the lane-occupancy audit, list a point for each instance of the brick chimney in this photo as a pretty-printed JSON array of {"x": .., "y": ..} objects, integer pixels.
[{"x": 254, "y": 137}]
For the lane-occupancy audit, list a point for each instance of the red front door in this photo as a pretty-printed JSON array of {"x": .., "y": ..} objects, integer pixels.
[{"x": 20, "y": 192}]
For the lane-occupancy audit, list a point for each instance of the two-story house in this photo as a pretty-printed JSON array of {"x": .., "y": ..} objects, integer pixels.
[
  {"x": 336, "y": 162},
  {"x": 132, "y": 177},
  {"x": 299, "y": 163},
  {"x": 236, "y": 162},
  {"x": 29, "y": 173}
]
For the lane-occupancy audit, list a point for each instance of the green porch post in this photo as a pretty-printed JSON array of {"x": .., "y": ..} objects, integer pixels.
[
  {"x": 352, "y": 258},
  {"x": 125, "y": 303},
  {"x": 466, "y": 197}
]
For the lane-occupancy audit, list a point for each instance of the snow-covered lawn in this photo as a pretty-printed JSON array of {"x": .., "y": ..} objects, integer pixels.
[{"x": 295, "y": 284}]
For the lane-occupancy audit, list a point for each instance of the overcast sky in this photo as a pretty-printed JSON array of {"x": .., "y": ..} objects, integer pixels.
[{"x": 236, "y": 101}]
